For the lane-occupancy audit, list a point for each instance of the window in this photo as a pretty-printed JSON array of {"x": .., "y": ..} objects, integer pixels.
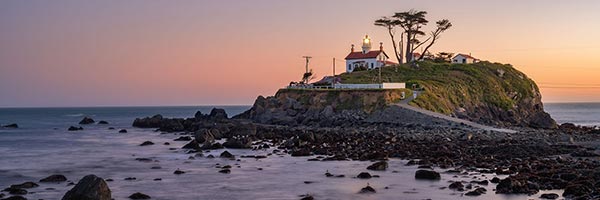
[
  {"x": 464, "y": 60},
  {"x": 349, "y": 67},
  {"x": 371, "y": 65}
]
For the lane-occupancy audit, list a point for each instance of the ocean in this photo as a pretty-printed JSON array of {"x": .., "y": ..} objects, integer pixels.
[
  {"x": 584, "y": 114},
  {"x": 42, "y": 146}
]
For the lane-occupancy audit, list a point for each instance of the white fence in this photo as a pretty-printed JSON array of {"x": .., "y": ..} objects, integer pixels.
[{"x": 353, "y": 86}]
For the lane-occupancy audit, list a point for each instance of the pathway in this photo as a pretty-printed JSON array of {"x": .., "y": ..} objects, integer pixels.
[{"x": 404, "y": 104}]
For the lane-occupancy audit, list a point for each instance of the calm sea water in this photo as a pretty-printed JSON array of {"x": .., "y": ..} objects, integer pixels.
[
  {"x": 42, "y": 146},
  {"x": 585, "y": 114}
]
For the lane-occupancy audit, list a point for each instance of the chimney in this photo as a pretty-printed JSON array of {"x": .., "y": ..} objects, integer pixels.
[
  {"x": 380, "y": 46},
  {"x": 352, "y": 48}
]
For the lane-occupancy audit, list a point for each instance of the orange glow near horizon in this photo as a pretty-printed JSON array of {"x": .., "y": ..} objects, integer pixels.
[{"x": 97, "y": 53}]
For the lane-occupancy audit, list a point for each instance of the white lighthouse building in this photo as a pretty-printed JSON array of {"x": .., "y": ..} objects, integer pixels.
[{"x": 366, "y": 59}]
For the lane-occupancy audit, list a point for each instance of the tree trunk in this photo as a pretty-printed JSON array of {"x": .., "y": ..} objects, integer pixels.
[
  {"x": 427, "y": 48},
  {"x": 408, "y": 46},
  {"x": 401, "y": 46},
  {"x": 394, "y": 44}
]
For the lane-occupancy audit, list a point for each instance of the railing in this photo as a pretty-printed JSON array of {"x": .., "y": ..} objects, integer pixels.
[{"x": 351, "y": 86}]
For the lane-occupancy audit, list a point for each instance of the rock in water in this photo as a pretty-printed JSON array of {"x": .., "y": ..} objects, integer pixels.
[
  {"x": 476, "y": 192},
  {"x": 191, "y": 145},
  {"x": 73, "y": 128},
  {"x": 427, "y": 175},
  {"x": 364, "y": 175},
  {"x": 86, "y": 120},
  {"x": 123, "y": 131},
  {"x": 56, "y": 178},
  {"x": 25, "y": 185},
  {"x": 367, "y": 189},
  {"x": 226, "y": 154},
  {"x": 148, "y": 122},
  {"x": 549, "y": 196},
  {"x": 217, "y": 113},
  {"x": 89, "y": 187},
  {"x": 378, "y": 166},
  {"x": 146, "y": 143},
  {"x": 102, "y": 122},
  {"x": 15, "y": 198},
  {"x": 139, "y": 195},
  {"x": 11, "y": 126},
  {"x": 183, "y": 138}
]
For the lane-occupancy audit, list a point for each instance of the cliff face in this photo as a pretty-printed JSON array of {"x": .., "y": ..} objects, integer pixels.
[
  {"x": 487, "y": 93},
  {"x": 320, "y": 107}
]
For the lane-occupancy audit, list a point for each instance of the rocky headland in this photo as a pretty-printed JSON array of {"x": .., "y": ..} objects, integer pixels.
[{"x": 365, "y": 125}]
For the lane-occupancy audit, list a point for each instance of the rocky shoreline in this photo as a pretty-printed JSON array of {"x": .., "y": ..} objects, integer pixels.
[
  {"x": 531, "y": 160},
  {"x": 534, "y": 159}
]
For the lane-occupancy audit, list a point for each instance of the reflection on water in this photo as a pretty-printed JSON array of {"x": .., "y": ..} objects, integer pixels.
[{"x": 38, "y": 150}]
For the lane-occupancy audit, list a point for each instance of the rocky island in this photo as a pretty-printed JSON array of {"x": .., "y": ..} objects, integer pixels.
[{"x": 368, "y": 125}]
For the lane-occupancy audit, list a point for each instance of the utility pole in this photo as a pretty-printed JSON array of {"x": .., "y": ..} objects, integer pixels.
[
  {"x": 307, "y": 60},
  {"x": 381, "y": 66},
  {"x": 334, "y": 79}
]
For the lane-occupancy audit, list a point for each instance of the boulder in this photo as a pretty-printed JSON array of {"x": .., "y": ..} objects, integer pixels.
[
  {"x": 456, "y": 186},
  {"x": 89, "y": 187},
  {"x": 226, "y": 154},
  {"x": 217, "y": 114},
  {"x": 512, "y": 185},
  {"x": 427, "y": 175},
  {"x": 146, "y": 143},
  {"x": 102, "y": 122},
  {"x": 378, "y": 166},
  {"x": 243, "y": 129},
  {"x": 15, "y": 191},
  {"x": 178, "y": 172},
  {"x": 139, "y": 195},
  {"x": 301, "y": 152},
  {"x": 549, "y": 196},
  {"x": 15, "y": 198},
  {"x": 73, "y": 128},
  {"x": 55, "y": 178},
  {"x": 367, "y": 189},
  {"x": 25, "y": 185},
  {"x": 191, "y": 145},
  {"x": 183, "y": 138},
  {"x": 476, "y": 192},
  {"x": 364, "y": 175},
  {"x": 123, "y": 131},
  {"x": 86, "y": 120},
  {"x": 238, "y": 143},
  {"x": 204, "y": 135},
  {"x": 11, "y": 126},
  {"x": 171, "y": 125},
  {"x": 199, "y": 115},
  {"x": 148, "y": 122}
]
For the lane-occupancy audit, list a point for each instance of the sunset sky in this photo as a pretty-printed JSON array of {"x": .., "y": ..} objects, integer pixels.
[{"x": 222, "y": 52}]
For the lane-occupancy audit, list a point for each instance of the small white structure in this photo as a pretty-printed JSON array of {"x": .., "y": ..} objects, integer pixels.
[
  {"x": 464, "y": 59},
  {"x": 371, "y": 86},
  {"x": 366, "y": 58}
]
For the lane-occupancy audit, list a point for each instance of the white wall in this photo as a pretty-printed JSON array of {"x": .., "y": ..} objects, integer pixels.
[
  {"x": 371, "y": 86},
  {"x": 459, "y": 59},
  {"x": 393, "y": 85}
]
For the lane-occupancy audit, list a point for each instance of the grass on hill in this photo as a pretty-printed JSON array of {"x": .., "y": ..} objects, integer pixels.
[{"x": 450, "y": 86}]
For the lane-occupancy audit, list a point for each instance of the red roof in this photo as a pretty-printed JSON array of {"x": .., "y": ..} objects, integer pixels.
[
  {"x": 360, "y": 55},
  {"x": 416, "y": 55},
  {"x": 466, "y": 56}
]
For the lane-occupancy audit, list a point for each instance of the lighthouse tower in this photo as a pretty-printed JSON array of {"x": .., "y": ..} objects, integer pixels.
[
  {"x": 366, "y": 46},
  {"x": 366, "y": 59}
]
